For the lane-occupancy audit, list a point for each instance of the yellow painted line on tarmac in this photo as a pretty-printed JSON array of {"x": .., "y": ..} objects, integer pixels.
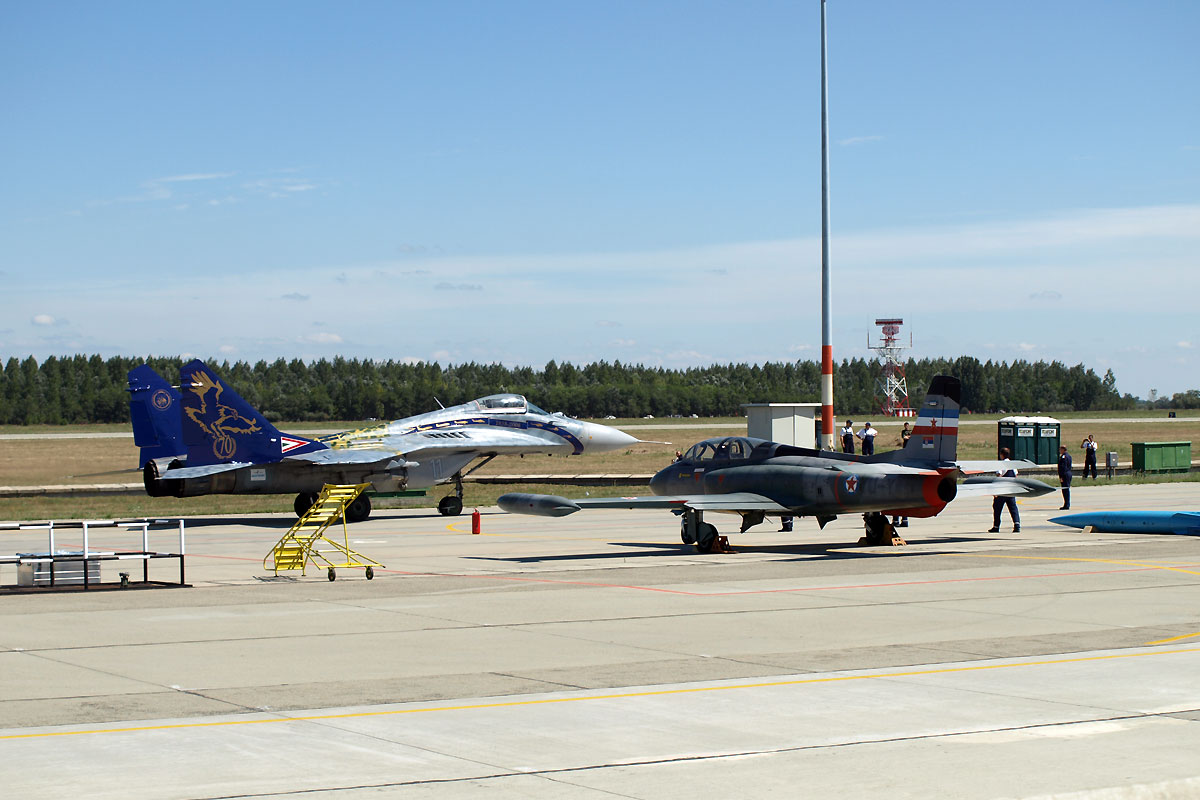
[
  {"x": 1174, "y": 639},
  {"x": 1142, "y": 564},
  {"x": 614, "y": 696}
]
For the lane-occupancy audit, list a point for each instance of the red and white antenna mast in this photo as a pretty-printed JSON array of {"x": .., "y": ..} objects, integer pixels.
[{"x": 891, "y": 386}]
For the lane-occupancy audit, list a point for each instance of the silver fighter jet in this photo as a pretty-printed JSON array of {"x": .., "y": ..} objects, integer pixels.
[{"x": 206, "y": 439}]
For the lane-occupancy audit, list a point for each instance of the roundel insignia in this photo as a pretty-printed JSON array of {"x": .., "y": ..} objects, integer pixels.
[
  {"x": 161, "y": 400},
  {"x": 851, "y": 484}
]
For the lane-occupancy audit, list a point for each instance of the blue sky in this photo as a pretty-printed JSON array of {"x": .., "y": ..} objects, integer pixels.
[{"x": 520, "y": 181}]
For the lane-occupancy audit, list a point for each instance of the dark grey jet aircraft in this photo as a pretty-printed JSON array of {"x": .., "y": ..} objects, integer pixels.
[{"x": 758, "y": 479}]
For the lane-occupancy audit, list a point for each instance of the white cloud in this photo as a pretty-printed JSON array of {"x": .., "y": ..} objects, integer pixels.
[
  {"x": 226, "y": 349},
  {"x": 1184, "y": 345},
  {"x": 42, "y": 319},
  {"x": 323, "y": 338}
]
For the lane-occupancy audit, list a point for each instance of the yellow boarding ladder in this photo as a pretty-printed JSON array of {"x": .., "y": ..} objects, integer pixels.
[{"x": 306, "y": 541}]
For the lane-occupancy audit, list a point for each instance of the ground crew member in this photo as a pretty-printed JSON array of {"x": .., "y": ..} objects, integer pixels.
[
  {"x": 1000, "y": 502},
  {"x": 1064, "y": 475}
]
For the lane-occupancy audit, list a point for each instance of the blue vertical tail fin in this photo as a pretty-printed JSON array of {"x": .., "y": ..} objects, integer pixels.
[
  {"x": 155, "y": 412},
  {"x": 220, "y": 427}
]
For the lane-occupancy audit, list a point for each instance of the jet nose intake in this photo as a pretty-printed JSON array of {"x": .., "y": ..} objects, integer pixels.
[{"x": 599, "y": 438}]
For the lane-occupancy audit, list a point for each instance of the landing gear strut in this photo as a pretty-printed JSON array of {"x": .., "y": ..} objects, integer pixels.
[
  {"x": 880, "y": 532},
  {"x": 452, "y": 504}
]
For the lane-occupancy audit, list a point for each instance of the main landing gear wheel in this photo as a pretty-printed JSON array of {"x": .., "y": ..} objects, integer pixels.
[
  {"x": 332, "y": 574},
  {"x": 706, "y": 537},
  {"x": 359, "y": 510},
  {"x": 880, "y": 532},
  {"x": 450, "y": 506},
  {"x": 370, "y": 573},
  {"x": 304, "y": 501}
]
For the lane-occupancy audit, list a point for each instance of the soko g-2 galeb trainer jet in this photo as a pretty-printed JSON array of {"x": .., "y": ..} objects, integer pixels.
[
  {"x": 206, "y": 439},
  {"x": 758, "y": 479}
]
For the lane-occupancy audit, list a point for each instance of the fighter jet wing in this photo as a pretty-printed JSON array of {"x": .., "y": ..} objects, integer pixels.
[
  {"x": 353, "y": 456},
  {"x": 548, "y": 505},
  {"x": 1003, "y": 487},
  {"x": 974, "y": 467}
]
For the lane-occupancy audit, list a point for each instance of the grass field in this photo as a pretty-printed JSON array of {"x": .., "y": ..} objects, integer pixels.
[{"x": 40, "y": 462}]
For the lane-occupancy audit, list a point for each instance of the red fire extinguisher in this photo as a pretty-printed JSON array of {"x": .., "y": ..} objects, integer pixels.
[{"x": 475, "y": 522}]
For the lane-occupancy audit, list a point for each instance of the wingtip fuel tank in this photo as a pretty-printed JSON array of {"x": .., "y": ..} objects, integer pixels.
[{"x": 540, "y": 505}]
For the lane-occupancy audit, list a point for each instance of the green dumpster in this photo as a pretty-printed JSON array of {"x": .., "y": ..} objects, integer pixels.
[
  {"x": 1162, "y": 456},
  {"x": 1034, "y": 439}
]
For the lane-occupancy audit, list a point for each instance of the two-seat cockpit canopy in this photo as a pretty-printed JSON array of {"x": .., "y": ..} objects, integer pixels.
[
  {"x": 737, "y": 448},
  {"x": 725, "y": 448},
  {"x": 507, "y": 404}
]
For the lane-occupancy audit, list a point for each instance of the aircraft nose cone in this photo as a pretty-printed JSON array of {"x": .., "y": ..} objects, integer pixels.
[{"x": 600, "y": 438}]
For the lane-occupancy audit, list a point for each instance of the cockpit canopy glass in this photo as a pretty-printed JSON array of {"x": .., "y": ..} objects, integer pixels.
[
  {"x": 503, "y": 403},
  {"x": 732, "y": 448}
]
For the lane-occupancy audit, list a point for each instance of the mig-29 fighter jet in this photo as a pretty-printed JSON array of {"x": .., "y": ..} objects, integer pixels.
[
  {"x": 204, "y": 439},
  {"x": 758, "y": 479}
]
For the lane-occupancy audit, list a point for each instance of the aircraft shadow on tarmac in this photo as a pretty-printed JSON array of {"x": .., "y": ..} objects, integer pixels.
[
  {"x": 825, "y": 550},
  {"x": 285, "y": 522}
]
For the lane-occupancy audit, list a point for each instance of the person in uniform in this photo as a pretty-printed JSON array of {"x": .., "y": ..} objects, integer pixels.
[
  {"x": 848, "y": 437},
  {"x": 1064, "y": 475},
  {"x": 868, "y": 434},
  {"x": 998, "y": 503},
  {"x": 1090, "y": 446}
]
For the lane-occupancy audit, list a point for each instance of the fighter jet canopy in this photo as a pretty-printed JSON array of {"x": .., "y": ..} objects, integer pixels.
[
  {"x": 731, "y": 448},
  {"x": 507, "y": 404}
]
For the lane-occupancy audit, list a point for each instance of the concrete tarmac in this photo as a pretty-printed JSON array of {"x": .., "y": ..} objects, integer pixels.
[{"x": 595, "y": 656}]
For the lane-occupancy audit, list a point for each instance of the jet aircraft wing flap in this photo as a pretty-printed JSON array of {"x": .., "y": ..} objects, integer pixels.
[{"x": 203, "y": 470}]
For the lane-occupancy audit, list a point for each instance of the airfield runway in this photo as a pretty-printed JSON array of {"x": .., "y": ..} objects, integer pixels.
[{"x": 592, "y": 656}]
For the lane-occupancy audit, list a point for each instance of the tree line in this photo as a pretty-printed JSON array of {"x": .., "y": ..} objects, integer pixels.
[{"x": 80, "y": 389}]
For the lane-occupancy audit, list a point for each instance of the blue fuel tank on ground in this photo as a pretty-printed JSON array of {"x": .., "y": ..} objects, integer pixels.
[{"x": 1184, "y": 523}]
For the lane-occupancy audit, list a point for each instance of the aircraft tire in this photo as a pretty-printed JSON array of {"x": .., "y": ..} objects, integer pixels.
[
  {"x": 304, "y": 501},
  {"x": 706, "y": 537},
  {"x": 359, "y": 510},
  {"x": 450, "y": 506}
]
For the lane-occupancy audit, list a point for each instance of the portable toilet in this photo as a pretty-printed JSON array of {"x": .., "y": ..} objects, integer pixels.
[{"x": 1034, "y": 439}]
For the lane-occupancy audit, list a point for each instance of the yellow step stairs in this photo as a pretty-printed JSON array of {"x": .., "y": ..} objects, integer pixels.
[{"x": 307, "y": 543}]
